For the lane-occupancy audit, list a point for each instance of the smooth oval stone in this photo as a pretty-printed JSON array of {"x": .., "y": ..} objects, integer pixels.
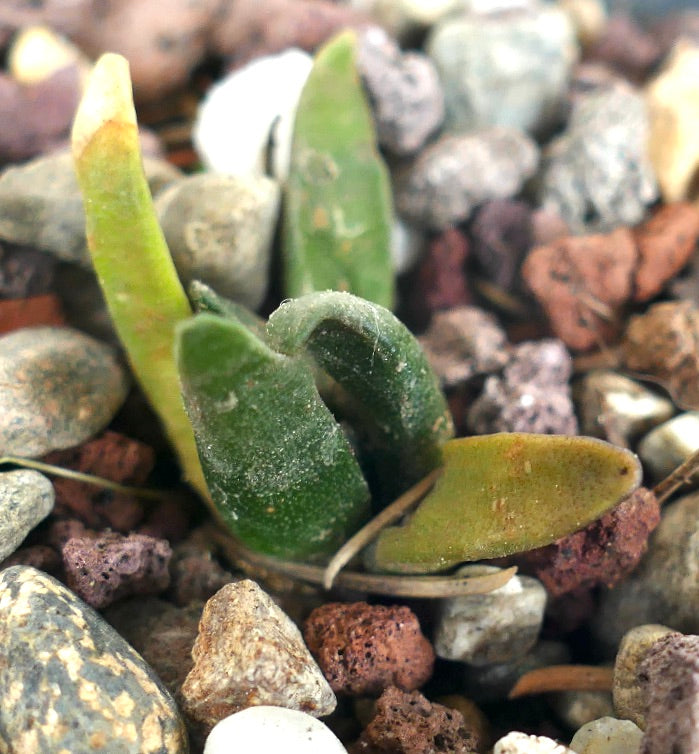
[
  {"x": 267, "y": 729},
  {"x": 26, "y": 498},
  {"x": 70, "y": 683},
  {"x": 58, "y": 387}
]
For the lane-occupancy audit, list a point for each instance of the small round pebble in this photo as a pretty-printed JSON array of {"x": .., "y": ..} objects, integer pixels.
[
  {"x": 258, "y": 730},
  {"x": 58, "y": 387},
  {"x": 26, "y": 498},
  {"x": 497, "y": 627},
  {"x": 607, "y": 735},
  {"x": 69, "y": 682},
  {"x": 219, "y": 229},
  {"x": 666, "y": 446}
]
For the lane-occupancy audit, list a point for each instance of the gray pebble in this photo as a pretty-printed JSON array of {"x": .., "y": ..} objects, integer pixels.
[
  {"x": 26, "y": 498},
  {"x": 665, "y": 447},
  {"x": 58, "y": 387},
  {"x": 533, "y": 394},
  {"x": 627, "y": 691},
  {"x": 616, "y": 408},
  {"x": 456, "y": 173},
  {"x": 41, "y": 205},
  {"x": 404, "y": 90},
  {"x": 576, "y": 708},
  {"x": 69, "y": 682},
  {"x": 497, "y": 627},
  {"x": 219, "y": 229},
  {"x": 597, "y": 174},
  {"x": 607, "y": 735},
  {"x": 664, "y": 588},
  {"x": 505, "y": 69},
  {"x": 260, "y": 659},
  {"x": 463, "y": 342}
]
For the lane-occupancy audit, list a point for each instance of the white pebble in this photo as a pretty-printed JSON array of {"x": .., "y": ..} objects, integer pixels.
[
  {"x": 235, "y": 123},
  {"x": 256, "y": 730},
  {"x": 521, "y": 743}
]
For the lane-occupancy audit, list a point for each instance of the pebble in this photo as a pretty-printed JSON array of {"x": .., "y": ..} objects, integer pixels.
[
  {"x": 673, "y": 111},
  {"x": 577, "y": 708},
  {"x": 407, "y": 723},
  {"x": 41, "y": 205},
  {"x": 575, "y": 277},
  {"x": 364, "y": 649},
  {"x": 41, "y": 557},
  {"x": 597, "y": 174},
  {"x": 161, "y": 633},
  {"x": 616, "y": 408},
  {"x": 259, "y": 659},
  {"x": 25, "y": 272},
  {"x": 194, "y": 574},
  {"x": 607, "y": 735},
  {"x": 229, "y": 143},
  {"x": 36, "y": 52},
  {"x": 463, "y": 342},
  {"x": 110, "y": 566},
  {"x": 456, "y": 173},
  {"x": 404, "y": 91},
  {"x": 272, "y": 729},
  {"x": 671, "y": 668},
  {"x": 441, "y": 276},
  {"x": 663, "y": 589},
  {"x": 407, "y": 245},
  {"x": 402, "y": 19},
  {"x": 627, "y": 690},
  {"x": 524, "y": 89},
  {"x": 604, "y": 552},
  {"x": 26, "y": 498},
  {"x": 521, "y": 743},
  {"x": 31, "y": 312},
  {"x": 625, "y": 47},
  {"x": 501, "y": 626},
  {"x": 501, "y": 234},
  {"x": 112, "y": 456},
  {"x": 666, "y": 446},
  {"x": 69, "y": 682},
  {"x": 533, "y": 394},
  {"x": 58, "y": 387},
  {"x": 219, "y": 230},
  {"x": 589, "y": 17}
]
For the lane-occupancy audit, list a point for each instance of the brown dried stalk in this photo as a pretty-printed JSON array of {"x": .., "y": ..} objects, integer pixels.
[{"x": 563, "y": 678}]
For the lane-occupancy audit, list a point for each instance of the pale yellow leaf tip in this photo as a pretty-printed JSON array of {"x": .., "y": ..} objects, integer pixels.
[{"x": 108, "y": 97}]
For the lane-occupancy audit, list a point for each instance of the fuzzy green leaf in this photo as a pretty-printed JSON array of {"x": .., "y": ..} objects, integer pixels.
[
  {"x": 129, "y": 253},
  {"x": 506, "y": 493},
  {"x": 279, "y": 468},
  {"x": 338, "y": 206},
  {"x": 395, "y": 397}
]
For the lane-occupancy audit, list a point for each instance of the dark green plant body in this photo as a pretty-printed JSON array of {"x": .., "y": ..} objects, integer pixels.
[
  {"x": 280, "y": 470},
  {"x": 399, "y": 408},
  {"x": 506, "y": 493},
  {"x": 338, "y": 207}
]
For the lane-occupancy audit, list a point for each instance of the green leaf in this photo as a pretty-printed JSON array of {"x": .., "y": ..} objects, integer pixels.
[
  {"x": 506, "y": 493},
  {"x": 205, "y": 299},
  {"x": 129, "y": 253},
  {"x": 338, "y": 208},
  {"x": 279, "y": 468},
  {"x": 396, "y": 400}
]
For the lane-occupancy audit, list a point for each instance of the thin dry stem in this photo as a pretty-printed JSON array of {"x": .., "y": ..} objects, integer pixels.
[
  {"x": 370, "y": 531},
  {"x": 563, "y": 678},
  {"x": 430, "y": 587}
]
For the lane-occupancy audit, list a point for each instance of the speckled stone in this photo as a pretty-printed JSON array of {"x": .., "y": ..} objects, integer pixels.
[
  {"x": 500, "y": 626},
  {"x": 249, "y": 652},
  {"x": 219, "y": 229},
  {"x": 26, "y": 498},
  {"x": 58, "y": 387},
  {"x": 70, "y": 683}
]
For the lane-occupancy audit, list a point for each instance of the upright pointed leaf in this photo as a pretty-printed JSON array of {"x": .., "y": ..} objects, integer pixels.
[
  {"x": 338, "y": 203},
  {"x": 505, "y": 493},
  {"x": 377, "y": 361},
  {"x": 279, "y": 467},
  {"x": 132, "y": 261}
]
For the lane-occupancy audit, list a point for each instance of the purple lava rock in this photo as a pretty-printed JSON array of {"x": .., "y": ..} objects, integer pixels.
[
  {"x": 106, "y": 568},
  {"x": 671, "y": 668}
]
